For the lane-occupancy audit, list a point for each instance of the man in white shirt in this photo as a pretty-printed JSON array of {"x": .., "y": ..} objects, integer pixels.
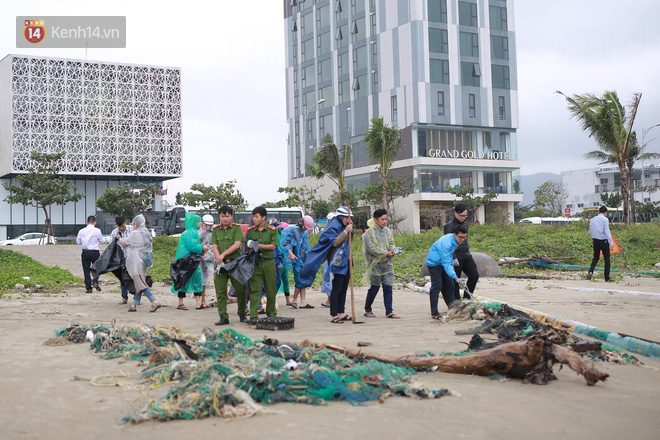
[
  {"x": 90, "y": 237},
  {"x": 599, "y": 228}
]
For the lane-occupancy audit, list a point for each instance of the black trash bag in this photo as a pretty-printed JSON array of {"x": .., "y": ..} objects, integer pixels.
[
  {"x": 110, "y": 260},
  {"x": 242, "y": 268},
  {"x": 127, "y": 280},
  {"x": 183, "y": 269}
]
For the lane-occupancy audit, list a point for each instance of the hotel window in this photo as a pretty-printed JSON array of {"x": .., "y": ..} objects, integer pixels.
[
  {"x": 374, "y": 54},
  {"x": 438, "y": 41},
  {"x": 307, "y": 50},
  {"x": 307, "y": 76},
  {"x": 357, "y": 6},
  {"x": 472, "y": 104},
  {"x": 307, "y": 24},
  {"x": 441, "y": 103},
  {"x": 323, "y": 17},
  {"x": 325, "y": 70},
  {"x": 502, "y": 107},
  {"x": 295, "y": 80},
  {"x": 374, "y": 81},
  {"x": 437, "y": 11},
  {"x": 393, "y": 105},
  {"x": 467, "y": 14},
  {"x": 499, "y": 47},
  {"x": 360, "y": 86},
  {"x": 359, "y": 58},
  {"x": 470, "y": 74},
  {"x": 341, "y": 12},
  {"x": 498, "y": 18},
  {"x": 358, "y": 30},
  {"x": 469, "y": 44},
  {"x": 500, "y": 77},
  {"x": 439, "y": 71},
  {"x": 372, "y": 18},
  {"x": 343, "y": 92},
  {"x": 342, "y": 36},
  {"x": 327, "y": 94},
  {"x": 323, "y": 44},
  {"x": 311, "y": 132},
  {"x": 342, "y": 64}
]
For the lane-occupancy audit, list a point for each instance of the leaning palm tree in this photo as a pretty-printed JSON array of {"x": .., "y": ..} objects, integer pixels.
[
  {"x": 606, "y": 120},
  {"x": 331, "y": 161},
  {"x": 382, "y": 145}
]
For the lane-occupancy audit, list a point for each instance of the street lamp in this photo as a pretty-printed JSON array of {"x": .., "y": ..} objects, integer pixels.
[{"x": 307, "y": 110}]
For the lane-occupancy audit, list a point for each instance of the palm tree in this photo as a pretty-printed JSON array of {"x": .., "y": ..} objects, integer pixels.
[
  {"x": 331, "y": 161},
  {"x": 382, "y": 145},
  {"x": 606, "y": 120}
]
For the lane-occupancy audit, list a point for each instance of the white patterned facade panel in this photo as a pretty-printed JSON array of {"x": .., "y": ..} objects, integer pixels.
[{"x": 102, "y": 115}]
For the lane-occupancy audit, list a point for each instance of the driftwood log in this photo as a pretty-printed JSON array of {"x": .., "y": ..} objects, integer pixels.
[{"x": 530, "y": 359}]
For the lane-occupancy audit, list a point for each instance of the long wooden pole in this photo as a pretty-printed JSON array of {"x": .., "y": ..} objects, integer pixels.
[{"x": 350, "y": 269}]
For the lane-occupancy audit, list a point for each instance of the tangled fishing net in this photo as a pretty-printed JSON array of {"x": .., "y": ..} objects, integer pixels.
[
  {"x": 510, "y": 324},
  {"x": 226, "y": 374}
]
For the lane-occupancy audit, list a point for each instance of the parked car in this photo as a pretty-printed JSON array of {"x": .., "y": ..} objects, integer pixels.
[{"x": 28, "y": 238}]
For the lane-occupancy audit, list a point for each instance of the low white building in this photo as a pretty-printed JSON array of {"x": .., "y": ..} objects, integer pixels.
[
  {"x": 586, "y": 186},
  {"x": 101, "y": 114}
]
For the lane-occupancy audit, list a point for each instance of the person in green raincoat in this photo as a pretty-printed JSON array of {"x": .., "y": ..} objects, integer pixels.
[{"x": 189, "y": 244}]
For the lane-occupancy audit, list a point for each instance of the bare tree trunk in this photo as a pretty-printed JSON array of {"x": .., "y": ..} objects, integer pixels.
[
  {"x": 631, "y": 188},
  {"x": 48, "y": 227}
]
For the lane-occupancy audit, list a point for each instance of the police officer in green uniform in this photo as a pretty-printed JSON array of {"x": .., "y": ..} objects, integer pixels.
[
  {"x": 226, "y": 240},
  {"x": 265, "y": 271}
]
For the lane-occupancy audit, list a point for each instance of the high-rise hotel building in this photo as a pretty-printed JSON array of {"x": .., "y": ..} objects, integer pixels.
[{"x": 442, "y": 71}]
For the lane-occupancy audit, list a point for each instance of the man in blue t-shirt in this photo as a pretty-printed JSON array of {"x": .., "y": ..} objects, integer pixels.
[{"x": 440, "y": 262}]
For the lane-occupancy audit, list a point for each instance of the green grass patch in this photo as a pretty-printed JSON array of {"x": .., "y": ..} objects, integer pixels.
[{"x": 14, "y": 266}]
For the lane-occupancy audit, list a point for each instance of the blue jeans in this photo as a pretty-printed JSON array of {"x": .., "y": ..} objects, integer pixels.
[
  {"x": 387, "y": 298},
  {"x": 440, "y": 281},
  {"x": 138, "y": 296},
  {"x": 124, "y": 292}
]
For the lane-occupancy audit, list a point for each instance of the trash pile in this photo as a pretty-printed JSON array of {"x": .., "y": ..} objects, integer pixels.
[
  {"x": 510, "y": 324},
  {"x": 226, "y": 374}
]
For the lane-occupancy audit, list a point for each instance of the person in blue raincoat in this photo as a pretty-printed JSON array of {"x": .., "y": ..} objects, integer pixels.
[
  {"x": 333, "y": 247},
  {"x": 189, "y": 244},
  {"x": 295, "y": 242}
]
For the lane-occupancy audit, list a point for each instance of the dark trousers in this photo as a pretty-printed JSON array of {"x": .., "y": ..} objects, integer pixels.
[
  {"x": 469, "y": 267},
  {"x": 387, "y": 298},
  {"x": 338, "y": 294},
  {"x": 88, "y": 258},
  {"x": 440, "y": 281},
  {"x": 601, "y": 245},
  {"x": 263, "y": 273}
]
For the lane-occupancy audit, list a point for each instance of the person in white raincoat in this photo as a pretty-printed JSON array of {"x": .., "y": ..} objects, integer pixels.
[{"x": 139, "y": 259}]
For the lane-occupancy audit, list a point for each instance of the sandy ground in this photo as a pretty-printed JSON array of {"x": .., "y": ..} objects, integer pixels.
[{"x": 40, "y": 399}]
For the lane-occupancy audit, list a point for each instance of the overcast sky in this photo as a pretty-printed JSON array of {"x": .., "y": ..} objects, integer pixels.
[{"x": 232, "y": 60}]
